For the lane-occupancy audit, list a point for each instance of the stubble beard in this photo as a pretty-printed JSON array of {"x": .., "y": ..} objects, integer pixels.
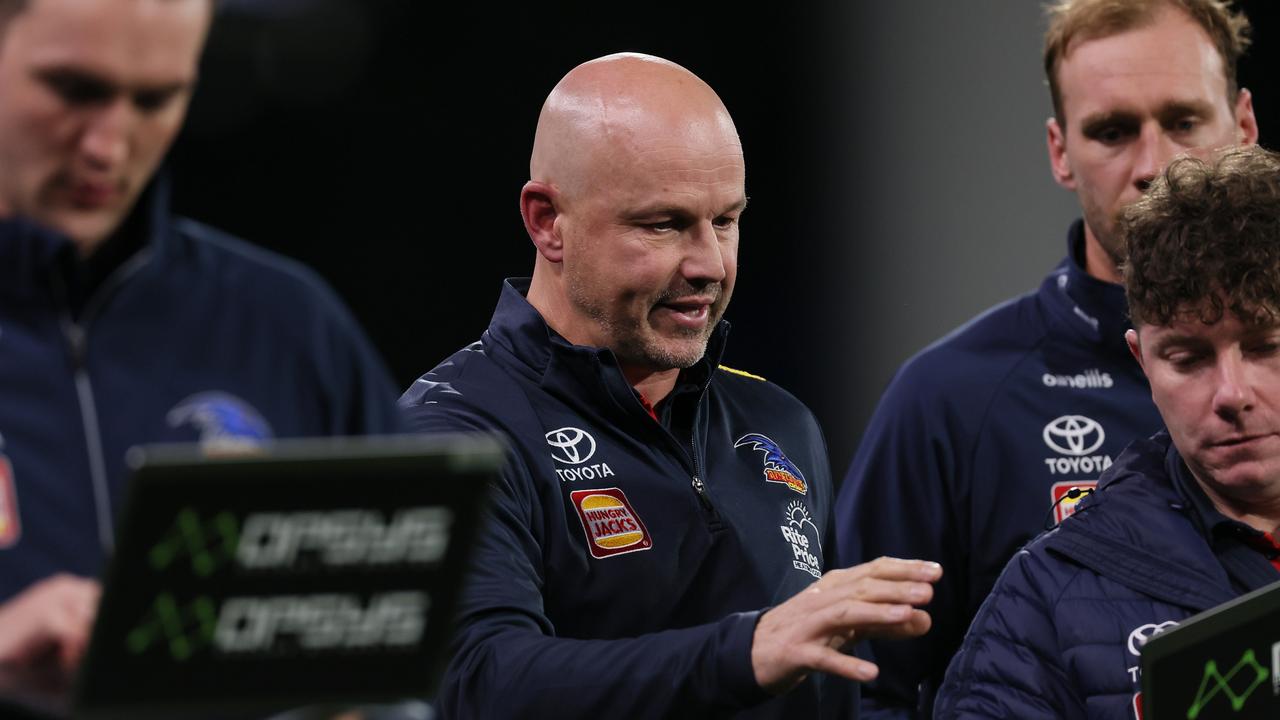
[{"x": 636, "y": 343}]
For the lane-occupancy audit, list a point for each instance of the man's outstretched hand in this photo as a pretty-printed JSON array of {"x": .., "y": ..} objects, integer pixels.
[{"x": 805, "y": 634}]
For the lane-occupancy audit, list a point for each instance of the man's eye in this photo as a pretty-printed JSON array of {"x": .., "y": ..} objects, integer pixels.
[
  {"x": 1184, "y": 361},
  {"x": 78, "y": 90},
  {"x": 149, "y": 101},
  {"x": 725, "y": 222},
  {"x": 1110, "y": 135}
]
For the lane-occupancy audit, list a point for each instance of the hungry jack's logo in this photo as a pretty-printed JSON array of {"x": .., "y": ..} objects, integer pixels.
[
  {"x": 778, "y": 468},
  {"x": 611, "y": 524},
  {"x": 10, "y": 524}
]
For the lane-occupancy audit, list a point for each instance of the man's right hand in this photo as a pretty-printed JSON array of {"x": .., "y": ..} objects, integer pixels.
[
  {"x": 43, "y": 634},
  {"x": 805, "y": 634}
]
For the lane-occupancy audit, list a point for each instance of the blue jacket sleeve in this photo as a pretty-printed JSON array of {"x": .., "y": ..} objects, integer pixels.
[
  {"x": 1010, "y": 665},
  {"x": 902, "y": 498},
  {"x": 508, "y": 662}
]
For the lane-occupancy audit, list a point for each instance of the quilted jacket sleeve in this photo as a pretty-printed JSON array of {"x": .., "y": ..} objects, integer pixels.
[{"x": 1010, "y": 665}]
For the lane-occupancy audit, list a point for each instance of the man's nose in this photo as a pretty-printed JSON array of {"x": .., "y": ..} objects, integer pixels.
[
  {"x": 1154, "y": 150},
  {"x": 1233, "y": 394},
  {"x": 705, "y": 259},
  {"x": 104, "y": 144}
]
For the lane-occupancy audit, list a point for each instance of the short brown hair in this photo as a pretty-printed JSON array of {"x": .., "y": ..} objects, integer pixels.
[
  {"x": 1206, "y": 239},
  {"x": 1077, "y": 20}
]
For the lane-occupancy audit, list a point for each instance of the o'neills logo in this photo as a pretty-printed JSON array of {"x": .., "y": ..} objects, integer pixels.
[
  {"x": 1090, "y": 379},
  {"x": 612, "y": 526}
]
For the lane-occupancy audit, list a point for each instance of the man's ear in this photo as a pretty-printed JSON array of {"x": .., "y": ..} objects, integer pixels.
[
  {"x": 1135, "y": 347},
  {"x": 1246, "y": 121},
  {"x": 1059, "y": 163},
  {"x": 538, "y": 207}
]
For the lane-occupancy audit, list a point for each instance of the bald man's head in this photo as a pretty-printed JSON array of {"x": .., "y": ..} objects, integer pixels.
[
  {"x": 609, "y": 106},
  {"x": 637, "y": 183}
]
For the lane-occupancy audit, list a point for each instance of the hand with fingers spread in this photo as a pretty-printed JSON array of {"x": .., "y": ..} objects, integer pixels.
[
  {"x": 43, "y": 634},
  {"x": 805, "y": 634}
]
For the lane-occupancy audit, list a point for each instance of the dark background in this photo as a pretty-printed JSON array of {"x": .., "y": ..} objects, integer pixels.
[{"x": 384, "y": 143}]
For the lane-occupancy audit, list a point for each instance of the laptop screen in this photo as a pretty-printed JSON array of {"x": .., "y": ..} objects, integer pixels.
[
  {"x": 1222, "y": 663},
  {"x": 307, "y": 572}
]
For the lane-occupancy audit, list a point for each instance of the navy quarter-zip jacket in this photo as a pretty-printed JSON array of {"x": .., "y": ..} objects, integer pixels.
[
  {"x": 1059, "y": 637},
  {"x": 626, "y": 561},
  {"x": 973, "y": 443},
  {"x": 192, "y": 336}
]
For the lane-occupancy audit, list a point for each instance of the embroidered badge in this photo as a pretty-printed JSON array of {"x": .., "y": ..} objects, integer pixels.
[
  {"x": 778, "y": 468},
  {"x": 1064, "y": 506},
  {"x": 10, "y": 525},
  {"x": 611, "y": 524},
  {"x": 224, "y": 422}
]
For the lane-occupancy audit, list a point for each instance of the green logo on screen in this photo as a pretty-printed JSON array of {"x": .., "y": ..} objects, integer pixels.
[
  {"x": 1248, "y": 664},
  {"x": 181, "y": 629},
  {"x": 207, "y": 544}
]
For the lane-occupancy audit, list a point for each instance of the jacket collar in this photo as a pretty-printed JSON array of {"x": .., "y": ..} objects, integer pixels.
[
  {"x": 526, "y": 344},
  {"x": 31, "y": 255},
  {"x": 1136, "y": 531},
  {"x": 1095, "y": 309}
]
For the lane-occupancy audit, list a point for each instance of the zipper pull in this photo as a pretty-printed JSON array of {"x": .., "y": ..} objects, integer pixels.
[{"x": 76, "y": 339}]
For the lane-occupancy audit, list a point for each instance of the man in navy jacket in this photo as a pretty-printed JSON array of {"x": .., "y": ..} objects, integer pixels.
[
  {"x": 655, "y": 504},
  {"x": 979, "y": 440},
  {"x": 1184, "y": 521},
  {"x": 121, "y": 324}
]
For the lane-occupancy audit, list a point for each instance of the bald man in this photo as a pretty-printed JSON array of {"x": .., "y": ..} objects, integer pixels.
[{"x": 654, "y": 501}]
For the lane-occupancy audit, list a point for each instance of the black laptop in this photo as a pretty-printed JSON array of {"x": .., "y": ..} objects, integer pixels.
[
  {"x": 1222, "y": 663},
  {"x": 300, "y": 573}
]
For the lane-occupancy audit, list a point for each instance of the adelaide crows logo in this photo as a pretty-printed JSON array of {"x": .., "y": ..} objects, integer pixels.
[
  {"x": 778, "y": 468},
  {"x": 224, "y": 421}
]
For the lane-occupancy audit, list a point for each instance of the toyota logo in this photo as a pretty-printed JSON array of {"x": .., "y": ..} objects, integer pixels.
[
  {"x": 1074, "y": 435},
  {"x": 575, "y": 446},
  {"x": 1144, "y": 633}
]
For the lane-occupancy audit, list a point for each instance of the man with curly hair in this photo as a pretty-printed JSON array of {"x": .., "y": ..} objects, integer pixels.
[{"x": 1181, "y": 522}]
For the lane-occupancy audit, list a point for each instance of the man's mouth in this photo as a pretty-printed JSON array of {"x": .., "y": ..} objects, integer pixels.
[
  {"x": 92, "y": 195},
  {"x": 688, "y": 312}
]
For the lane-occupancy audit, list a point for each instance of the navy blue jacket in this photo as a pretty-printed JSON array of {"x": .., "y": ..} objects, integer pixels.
[
  {"x": 184, "y": 334},
  {"x": 626, "y": 561},
  {"x": 1060, "y": 634},
  {"x": 972, "y": 443}
]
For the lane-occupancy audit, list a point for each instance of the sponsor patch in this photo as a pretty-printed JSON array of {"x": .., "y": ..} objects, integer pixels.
[
  {"x": 1065, "y": 506},
  {"x": 10, "y": 524},
  {"x": 571, "y": 445},
  {"x": 800, "y": 532},
  {"x": 778, "y": 468},
  {"x": 611, "y": 524},
  {"x": 1075, "y": 438},
  {"x": 1137, "y": 706}
]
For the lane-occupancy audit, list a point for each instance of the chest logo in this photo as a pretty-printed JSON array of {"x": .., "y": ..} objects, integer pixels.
[
  {"x": 571, "y": 445},
  {"x": 1074, "y": 435},
  {"x": 1076, "y": 439},
  {"x": 1143, "y": 633},
  {"x": 10, "y": 523},
  {"x": 610, "y": 523},
  {"x": 223, "y": 421},
  {"x": 800, "y": 532},
  {"x": 778, "y": 468},
  {"x": 1064, "y": 505}
]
